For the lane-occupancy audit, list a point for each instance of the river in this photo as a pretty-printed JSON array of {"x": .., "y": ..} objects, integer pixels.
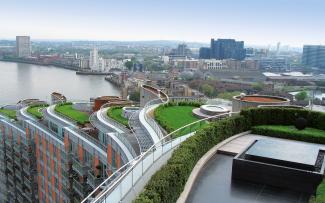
[{"x": 23, "y": 81}]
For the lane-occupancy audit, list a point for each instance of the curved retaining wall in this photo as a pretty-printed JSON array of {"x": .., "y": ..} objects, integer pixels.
[{"x": 239, "y": 103}]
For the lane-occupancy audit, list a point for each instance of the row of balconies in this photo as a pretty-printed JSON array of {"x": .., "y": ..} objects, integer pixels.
[
  {"x": 84, "y": 170},
  {"x": 81, "y": 188}
]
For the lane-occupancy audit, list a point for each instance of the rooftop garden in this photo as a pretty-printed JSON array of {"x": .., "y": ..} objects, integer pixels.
[
  {"x": 36, "y": 110},
  {"x": 168, "y": 183},
  {"x": 66, "y": 109},
  {"x": 115, "y": 113},
  {"x": 8, "y": 113},
  {"x": 172, "y": 116}
]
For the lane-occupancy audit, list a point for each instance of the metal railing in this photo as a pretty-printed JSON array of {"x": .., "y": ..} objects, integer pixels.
[
  {"x": 124, "y": 179},
  {"x": 93, "y": 180},
  {"x": 120, "y": 136}
]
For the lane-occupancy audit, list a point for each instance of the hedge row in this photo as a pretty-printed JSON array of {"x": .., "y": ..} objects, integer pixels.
[
  {"x": 167, "y": 184},
  {"x": 289, "y": 132},
  {"x": 184, "y": 103},
  {"x": 283, "y": 116}
]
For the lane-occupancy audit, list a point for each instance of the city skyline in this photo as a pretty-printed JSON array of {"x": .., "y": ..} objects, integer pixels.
[{"x": 290, "y": 22}]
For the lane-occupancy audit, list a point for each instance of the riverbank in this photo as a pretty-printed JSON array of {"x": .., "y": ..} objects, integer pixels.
[
  {"x": 40, "y": 63},
  {"x": 90, "y": 73}
]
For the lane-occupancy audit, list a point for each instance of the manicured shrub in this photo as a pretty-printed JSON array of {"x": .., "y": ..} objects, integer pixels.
[{"x": 301, "y": 123}]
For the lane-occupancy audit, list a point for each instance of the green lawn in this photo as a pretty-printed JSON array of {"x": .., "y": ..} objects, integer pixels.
[
  {"x": 116, "y": 114},
  {"x": 174, "y": 117},
  {"x": 36, "y": 111},
  {"x": 8, "y": 113},
  {"x": 67, "y": 110}
]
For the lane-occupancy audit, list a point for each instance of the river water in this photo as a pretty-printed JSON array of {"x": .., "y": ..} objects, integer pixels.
[{"x": 23, "y": 81}]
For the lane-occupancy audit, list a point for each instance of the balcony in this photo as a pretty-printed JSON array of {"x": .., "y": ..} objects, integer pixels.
[
  {"x": 20, "y": 198},
  {"x": 17, "y": 162},
  {"x": 25, "y": 156},
  {"x": 8, "y": 144},
  {"x": 81, "y": 188},
  {"x": 28, "y": 196},
  {"x": 80, "y": 168},
  {"x": 17, "y": 148},
  {"x": 66, "y": 191},
  {"x": 9, "y": 155},
  {"x": 10, "y": 166},
  {"x": 26, "y": 168},
  {"x": 94, "y": 181},
  {"x": 19, "y": 187},
  {"x": 27, "y": 183},
  {"x": 18, "y": 176},
  {"x": 11, "y": 179},
  {"x": 65, "y": 174}
]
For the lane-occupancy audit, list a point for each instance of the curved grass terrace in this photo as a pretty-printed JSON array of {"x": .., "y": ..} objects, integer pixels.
[
  {"x": 8, "y": 113},
  {"x": 172, "y": 116},
  {"x": 36, "y": 110},
  {"x": 67, "y": 110},
  {"x": 115, "y": 113}
]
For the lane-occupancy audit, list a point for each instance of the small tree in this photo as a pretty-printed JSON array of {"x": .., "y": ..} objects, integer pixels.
[
  {"x": 301, "y": 96},
  {"x": 207, "y": 90},
  {"x": 128, "y": 65},
  {"x": 135, "y": 96}
]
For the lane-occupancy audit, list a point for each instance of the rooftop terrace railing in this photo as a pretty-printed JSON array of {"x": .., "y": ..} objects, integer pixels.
[
  {"x": 119, "y": 135},
  {"x": 117, "y": 186}
]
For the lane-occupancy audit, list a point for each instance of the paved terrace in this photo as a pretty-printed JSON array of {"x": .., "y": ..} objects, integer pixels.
[{"x": 214, "y": 183}]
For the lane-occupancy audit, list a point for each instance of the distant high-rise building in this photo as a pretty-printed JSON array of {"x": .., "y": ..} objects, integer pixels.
[
  {"x": 204, "y": 53},
  {"x": 227, "y": 49},
  {"x": 314, "y": 55},
  {"x": 23, "y": 46},
  {"x": 181, "y": 50},
  {"x": 278, "y": 47},
  {"x": 93, "y": 60}
]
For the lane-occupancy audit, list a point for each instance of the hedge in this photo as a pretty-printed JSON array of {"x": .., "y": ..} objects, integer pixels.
[
  {"x": 290, "y": 132},
  {"x": 167, "y": 184},
  {"x": 283, "y": 116}
]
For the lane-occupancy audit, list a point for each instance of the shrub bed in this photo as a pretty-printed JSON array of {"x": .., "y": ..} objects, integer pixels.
[
  {"x": 167, "y": 184},
  {"x": 115, "y": 113},
  {"x": 291, "y": 132}
]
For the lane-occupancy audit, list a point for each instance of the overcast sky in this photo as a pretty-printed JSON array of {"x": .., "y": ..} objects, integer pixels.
[{"x": 257, "y": 22}]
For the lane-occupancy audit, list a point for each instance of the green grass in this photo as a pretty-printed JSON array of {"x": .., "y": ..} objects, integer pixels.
[
  {"x": 36, "y": 111},
  {"x": 173, "y": 117},
  {"x": 8, "y": 113},
  {"x": 67, "y": 110},
  {"x": 116, "y": 114}
]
